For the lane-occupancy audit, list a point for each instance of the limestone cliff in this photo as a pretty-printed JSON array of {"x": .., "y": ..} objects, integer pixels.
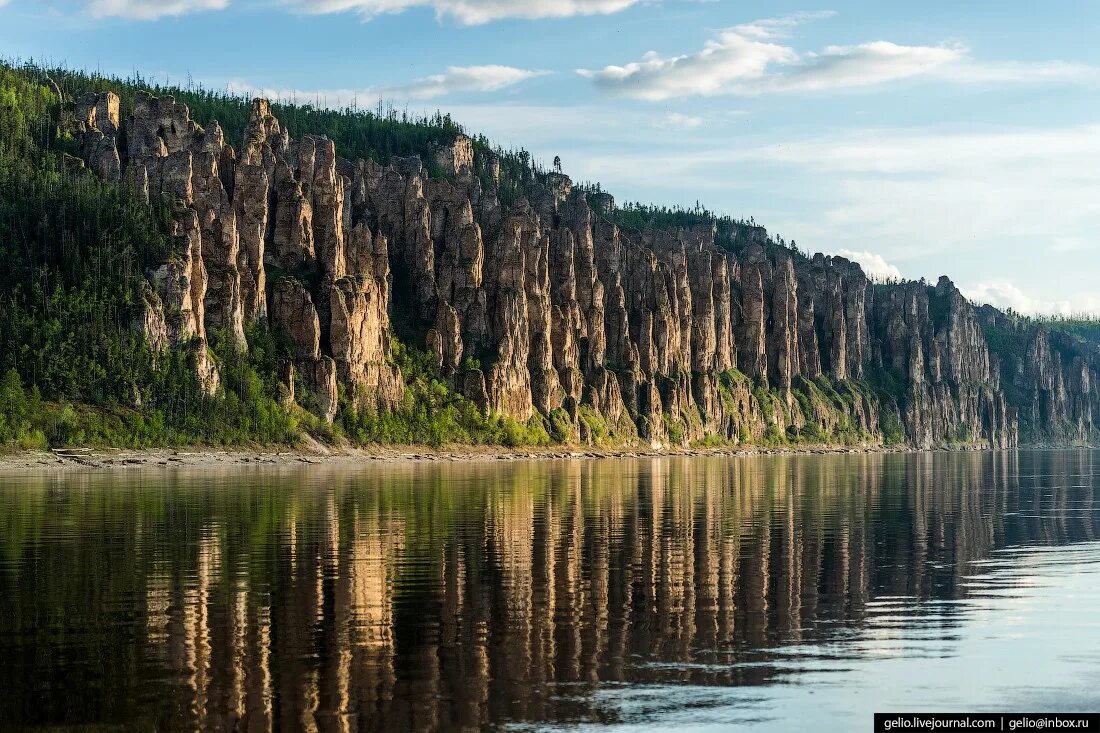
[
  {"x": 544, "y": 308},
  {"x": 1050, "y": 377},
  {"x": 273, "y": 233}
]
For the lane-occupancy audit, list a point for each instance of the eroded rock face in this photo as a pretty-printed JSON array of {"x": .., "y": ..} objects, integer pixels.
[
  {"x": 293, "y": 312},
  {"x": 932, "y": 336},
  {"x": 1055, "y": 378},
  {"x": 544, "y": 307},
  {"x": 359, "y": 322},
  {"x": 456, "y": 157},
  {"x": 97, "y": 124},
  {"x": 150, "y": 321},
  {"x": 253, "y": 181},
  {"x": 280, "y": 204}
]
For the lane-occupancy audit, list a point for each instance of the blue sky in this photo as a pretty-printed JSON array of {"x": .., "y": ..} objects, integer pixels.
[{"x": 922, "y": 138}]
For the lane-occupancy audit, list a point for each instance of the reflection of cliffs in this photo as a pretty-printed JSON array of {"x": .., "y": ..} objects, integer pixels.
[
  {"x": 544, "y": 307},
  {"x": 452, "y": 598}
]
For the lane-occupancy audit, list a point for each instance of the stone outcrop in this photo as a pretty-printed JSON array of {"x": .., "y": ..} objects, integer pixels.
[
  {"x": 932, "y": 338},
  {"x": 280, "y": 204},
  {"x": 96, "y": 123},
  {"x": 1051, "y": 378},
  {"x": 544, "y": 308}
]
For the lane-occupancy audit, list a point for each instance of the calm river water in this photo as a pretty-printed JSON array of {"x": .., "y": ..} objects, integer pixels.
[{"x": 654, "y": 594}]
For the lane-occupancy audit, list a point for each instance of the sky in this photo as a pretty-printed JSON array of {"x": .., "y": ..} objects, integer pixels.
[{"x": 942, "y": 137}]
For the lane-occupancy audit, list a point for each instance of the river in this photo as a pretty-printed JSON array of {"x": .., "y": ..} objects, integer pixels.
[{"x": 770, "y": 592}]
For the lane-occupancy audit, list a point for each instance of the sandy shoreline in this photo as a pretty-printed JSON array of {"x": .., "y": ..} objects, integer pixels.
[{"x": 107, "y": 458}]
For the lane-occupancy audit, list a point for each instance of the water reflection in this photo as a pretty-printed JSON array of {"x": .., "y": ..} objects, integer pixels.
[{"x": 426, "y": 596}]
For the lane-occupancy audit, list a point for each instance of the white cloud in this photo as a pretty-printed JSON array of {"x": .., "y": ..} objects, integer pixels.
[
  {"x": 724, "y": 65},
  {"x": 466, "y": 12},
  {"x": 679, "y": 120},
  {"x": 749, "y": 59},
  {"x": 489, "y": 78},
  {"x": 874, "y": 265},
  {"x": 866, "y": 64},
  {"x": 1005, "y": 294},
  {"x": 152, "y": 9},
  {"x": 456, "y": 79},
  {"x": 770, "y": 28},
  {"x": 473, "y": 12},
  {"x": 3, "y": 3}
]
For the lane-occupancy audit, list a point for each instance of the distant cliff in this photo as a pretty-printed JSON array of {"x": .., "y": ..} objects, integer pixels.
[
  {"x": 540, "y": 307},
  {"x": 1048, "y": 376}
]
